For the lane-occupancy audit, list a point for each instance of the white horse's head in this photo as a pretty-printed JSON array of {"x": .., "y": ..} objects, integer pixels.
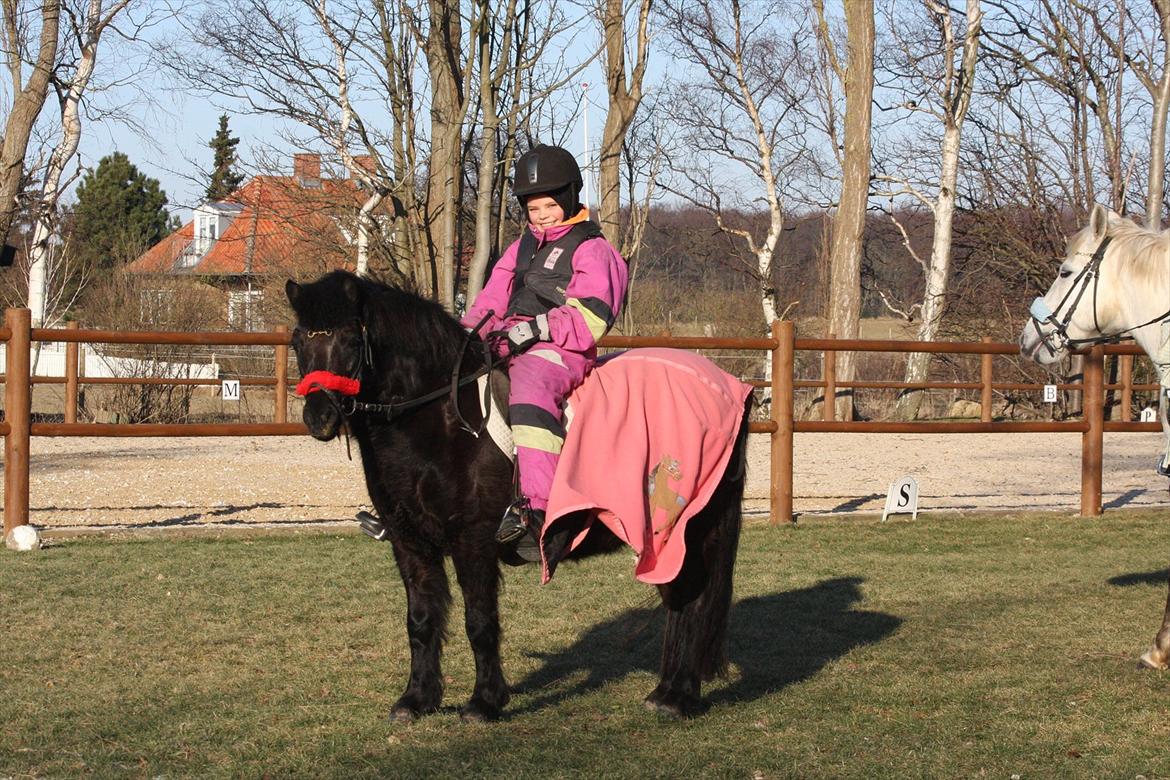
[{"x": 1081, "y": 302}]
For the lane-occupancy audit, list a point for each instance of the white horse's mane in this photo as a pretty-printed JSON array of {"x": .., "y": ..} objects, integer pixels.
[{"x": 1142, "y": 254}]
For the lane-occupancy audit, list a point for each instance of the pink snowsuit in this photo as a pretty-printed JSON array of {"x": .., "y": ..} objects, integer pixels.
[{"x": 544, "y": 376}]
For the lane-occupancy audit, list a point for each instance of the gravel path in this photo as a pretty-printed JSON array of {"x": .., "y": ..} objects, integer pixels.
[{"x": 167, "y": 483}]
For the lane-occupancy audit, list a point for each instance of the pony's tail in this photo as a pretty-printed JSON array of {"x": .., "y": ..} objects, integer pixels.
[{"x": 696, "y": 634}]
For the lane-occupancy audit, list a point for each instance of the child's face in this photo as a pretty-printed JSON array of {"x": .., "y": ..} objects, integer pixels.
[{"x": 544, "y": 211}]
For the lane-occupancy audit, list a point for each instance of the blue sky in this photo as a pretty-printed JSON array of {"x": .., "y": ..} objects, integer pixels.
[{"x": 171, "y": 144}]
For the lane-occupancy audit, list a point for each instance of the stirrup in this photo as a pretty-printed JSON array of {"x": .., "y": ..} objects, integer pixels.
[
  {"x": 512, "y": 524},
  {"x": 373, "y": 527}
]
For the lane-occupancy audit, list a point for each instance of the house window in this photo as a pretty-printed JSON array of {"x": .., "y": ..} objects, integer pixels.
[
  {"x": 243, "y": 310},
  {"x": 206, "y": 233}
]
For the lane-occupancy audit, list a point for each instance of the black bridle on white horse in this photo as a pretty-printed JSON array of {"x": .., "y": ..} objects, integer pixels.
[{"x": 1057, "y": 339}]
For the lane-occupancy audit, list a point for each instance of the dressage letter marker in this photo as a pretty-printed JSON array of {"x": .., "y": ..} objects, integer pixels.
[
  {"x": 230, "y": 390},
  {"x": 1149, "y": 414},
  {"x": 902, "y": 498},
  {"x": 1049, "y": 394}
]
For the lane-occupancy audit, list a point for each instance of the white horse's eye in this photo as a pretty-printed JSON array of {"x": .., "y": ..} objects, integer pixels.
[{"x": 1065, "y": 274}]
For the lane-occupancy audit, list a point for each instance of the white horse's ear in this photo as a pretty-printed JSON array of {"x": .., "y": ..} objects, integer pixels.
[{"x": 1099, "y": 219}]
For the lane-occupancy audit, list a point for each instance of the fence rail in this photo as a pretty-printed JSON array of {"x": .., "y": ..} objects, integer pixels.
[{"x": 17, "y": 428}]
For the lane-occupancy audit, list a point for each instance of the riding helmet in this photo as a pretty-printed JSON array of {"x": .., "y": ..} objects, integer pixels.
[{"x": 549, "y": 170}]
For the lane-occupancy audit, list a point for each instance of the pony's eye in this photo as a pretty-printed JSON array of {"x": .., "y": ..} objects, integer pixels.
[{"x": 1065, "y": 274}]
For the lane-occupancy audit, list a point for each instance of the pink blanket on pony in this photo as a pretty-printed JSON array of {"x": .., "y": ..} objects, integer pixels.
[{"x": 653, "y": 432}]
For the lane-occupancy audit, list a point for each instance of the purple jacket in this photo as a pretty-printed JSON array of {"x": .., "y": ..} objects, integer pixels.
[{"x": 594, "y": 295}]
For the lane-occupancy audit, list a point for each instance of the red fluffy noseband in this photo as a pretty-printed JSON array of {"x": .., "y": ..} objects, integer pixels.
[{"x": 327, "y": 380}]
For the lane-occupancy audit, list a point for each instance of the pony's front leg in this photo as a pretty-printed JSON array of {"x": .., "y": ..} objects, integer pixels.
[
  {"x": 427, "y": 601},
  {"x": 1158, "y": 656},
  {"x": 478, "y": 572}
]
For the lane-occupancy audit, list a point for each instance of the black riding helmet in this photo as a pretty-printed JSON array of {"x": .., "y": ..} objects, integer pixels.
[{"x": 552, "y": 171}]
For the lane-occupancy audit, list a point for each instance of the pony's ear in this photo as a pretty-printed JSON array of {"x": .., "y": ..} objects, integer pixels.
[
  {"x": 1099, "y": 219},
  {"x": 293, "y": 291},
  {"x": 352, "y": 289}
]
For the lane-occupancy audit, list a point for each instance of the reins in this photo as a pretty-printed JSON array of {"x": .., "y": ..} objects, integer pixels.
[
  {"x": 1091, "y": 273},
  {"x": 349, "y": 386}
]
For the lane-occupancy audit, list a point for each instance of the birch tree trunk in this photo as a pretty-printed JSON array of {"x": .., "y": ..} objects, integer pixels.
[
  {"x": 27, "y": 100},
  {"x": 849, "y": 221},
  {"x": 44, "y": 297},
  {"x": 956, "y": 99},
  {"x": 625, "y": 95},
  {"x": 1160, "y": 93}
]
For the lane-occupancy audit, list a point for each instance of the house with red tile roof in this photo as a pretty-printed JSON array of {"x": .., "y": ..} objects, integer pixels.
[{"x": 272, "y": 228}]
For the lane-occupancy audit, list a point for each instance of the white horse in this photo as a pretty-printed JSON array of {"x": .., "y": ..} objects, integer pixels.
[{"x": 1114, "y": 281}]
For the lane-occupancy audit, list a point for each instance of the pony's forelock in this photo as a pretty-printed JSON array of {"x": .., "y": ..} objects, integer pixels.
[{"x": 412, "y": 326}]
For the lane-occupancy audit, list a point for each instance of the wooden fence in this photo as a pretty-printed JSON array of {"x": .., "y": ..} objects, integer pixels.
[{"x": 17, "y": 427}]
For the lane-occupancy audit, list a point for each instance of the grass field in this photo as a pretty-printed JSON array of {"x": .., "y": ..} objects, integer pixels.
[{"x": 946, "y": 647}]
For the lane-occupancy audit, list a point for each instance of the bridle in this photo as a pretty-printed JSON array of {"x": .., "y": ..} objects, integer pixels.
[
  {"x": 1058, "y": 339},
  {"x": 348, "y": 386}
]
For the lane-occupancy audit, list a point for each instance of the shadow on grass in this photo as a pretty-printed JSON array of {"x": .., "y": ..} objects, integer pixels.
[
  {"x": 776, "y": 640},
  {"x": 1156, "y": 577}
]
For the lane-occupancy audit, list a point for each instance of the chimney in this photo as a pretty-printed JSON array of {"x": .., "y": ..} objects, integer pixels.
[
  {"x": 367, "y": 163},
  {"x": 307, "y": 169}
]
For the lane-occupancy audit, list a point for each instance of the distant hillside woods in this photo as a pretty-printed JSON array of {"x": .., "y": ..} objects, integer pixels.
[{"x": 687, "y": 274}]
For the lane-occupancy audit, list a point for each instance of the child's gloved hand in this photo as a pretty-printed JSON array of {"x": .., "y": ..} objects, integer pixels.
[{"x": 523, "y": 335}]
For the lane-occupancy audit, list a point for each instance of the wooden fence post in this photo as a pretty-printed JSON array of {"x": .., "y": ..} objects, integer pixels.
[
  {"x": 985, "y": 381},
  {"x": 1126, "y": 387},
  {"x": 830, "y": 374},
  {"x": 17, "y": 410},
  {"x": 1093, "y": 440},
  {"x": 71, "y": 360},
  {"x": 783, "y": 360},
  {"x": 280, "y": 413}
]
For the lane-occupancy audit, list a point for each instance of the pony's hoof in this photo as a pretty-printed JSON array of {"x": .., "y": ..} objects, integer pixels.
[
  {"x": 673, "y": 707},
  {"x": 481, "y": 710},
  {"x": 664, "y": 710},
  {"x": 1150, "y": 660},
  {"x": 478, "y": 713},
  {"x": 403, "y": 715}
]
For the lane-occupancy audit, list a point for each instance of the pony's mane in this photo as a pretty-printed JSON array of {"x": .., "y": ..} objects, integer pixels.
[
  {"x": 418, "y": 331},
  {"x": 1142, "y": 254}
]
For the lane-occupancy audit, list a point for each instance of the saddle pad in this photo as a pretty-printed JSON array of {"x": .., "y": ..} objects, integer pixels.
[{"x": 654, "y": 432}]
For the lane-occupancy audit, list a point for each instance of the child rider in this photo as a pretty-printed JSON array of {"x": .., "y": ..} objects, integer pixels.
[{"x": 554, "y": 292}]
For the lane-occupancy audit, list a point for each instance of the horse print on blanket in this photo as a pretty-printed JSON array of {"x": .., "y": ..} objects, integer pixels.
[{"x": 440, "y": 491}]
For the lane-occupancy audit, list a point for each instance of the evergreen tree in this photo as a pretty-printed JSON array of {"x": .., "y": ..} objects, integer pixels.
[
  {"x": 224, "y": 179},
  {"x": 120, "y": 212}
]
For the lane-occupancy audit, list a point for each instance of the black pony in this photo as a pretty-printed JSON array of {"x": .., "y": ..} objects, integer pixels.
[{"x": 441, "y": 491}]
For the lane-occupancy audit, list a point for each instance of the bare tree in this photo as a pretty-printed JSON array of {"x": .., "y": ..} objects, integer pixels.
[
  {"x": 451, "y": 72},
  {"x": 515, "y": 76},
  {"x": 333, "y": 70},
  {"x": 643, "y": 157},
  {"x": 48, "y": 266},
  {"x": 625, "y": 94},
  {"x": 856, "y": 76},
  {"x": 1054, "y": 49},
  {"x": 28, "y": 97},
  {"x": 741, "y": 129},
  {"x": 1143, "y": 44},
  {"x": 938, "y": 70}
]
